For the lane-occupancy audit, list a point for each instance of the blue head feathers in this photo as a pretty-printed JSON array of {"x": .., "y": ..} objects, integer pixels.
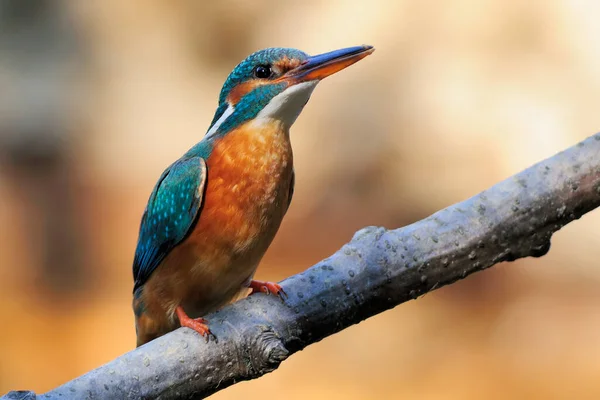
[
  {"x": 274, "y": 85},
  {"x": 271, "y": 57},
  {"x": 251, "y": 85}
]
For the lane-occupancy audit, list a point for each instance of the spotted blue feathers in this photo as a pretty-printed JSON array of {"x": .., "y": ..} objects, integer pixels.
[
  {"x": 171, "y": 212},
  {"x": 176, "y": 200}
]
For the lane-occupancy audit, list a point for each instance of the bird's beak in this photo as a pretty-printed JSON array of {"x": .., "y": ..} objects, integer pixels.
[{"x": 323, "y": 65}]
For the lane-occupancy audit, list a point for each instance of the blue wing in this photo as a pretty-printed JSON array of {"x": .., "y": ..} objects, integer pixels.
[{"x": 171, "y": 212}]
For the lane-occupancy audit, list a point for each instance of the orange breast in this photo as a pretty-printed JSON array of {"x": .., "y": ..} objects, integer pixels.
[
  {"x": 249, "y": 173},
  {"x": 248, "y": 184}
]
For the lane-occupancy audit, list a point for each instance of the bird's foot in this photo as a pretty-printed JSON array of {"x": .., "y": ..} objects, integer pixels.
[
  {"x": 200, "y": 325},
  {"x": 267, "y": 287}
]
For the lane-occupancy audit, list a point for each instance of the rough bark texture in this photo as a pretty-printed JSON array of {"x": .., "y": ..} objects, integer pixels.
[{"x": 377, "y": 270}]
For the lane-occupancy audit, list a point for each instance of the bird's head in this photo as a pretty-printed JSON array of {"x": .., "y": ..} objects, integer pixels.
[{"x": 274, "y": 85}]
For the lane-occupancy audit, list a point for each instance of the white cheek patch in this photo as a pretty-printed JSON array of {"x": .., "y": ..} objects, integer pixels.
[
  {"x": 230, "y": 109},
  {"x": 287, "y": 105}
]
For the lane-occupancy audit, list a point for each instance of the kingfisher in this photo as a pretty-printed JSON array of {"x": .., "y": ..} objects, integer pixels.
[{"x": 214, "y": 212}]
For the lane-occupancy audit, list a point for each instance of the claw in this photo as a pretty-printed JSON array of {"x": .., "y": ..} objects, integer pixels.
[
  {"x": 200, "y": 325},
  {"x": 267, "y": 287}
]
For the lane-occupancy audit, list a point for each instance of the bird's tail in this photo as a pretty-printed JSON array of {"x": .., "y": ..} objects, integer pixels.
[{"x": 146, "y": 328}]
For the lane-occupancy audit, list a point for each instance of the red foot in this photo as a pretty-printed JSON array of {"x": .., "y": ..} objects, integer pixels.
[
  {"x": 267, "y": 287},
  {"x": 198, "y": 324}
]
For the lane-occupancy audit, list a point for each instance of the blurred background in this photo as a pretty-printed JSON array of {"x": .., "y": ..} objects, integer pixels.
[{"x": 97, "y": 98}]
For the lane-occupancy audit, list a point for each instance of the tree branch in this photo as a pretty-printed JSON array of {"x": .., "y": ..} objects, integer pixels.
[{"x": 377, "y": 270}]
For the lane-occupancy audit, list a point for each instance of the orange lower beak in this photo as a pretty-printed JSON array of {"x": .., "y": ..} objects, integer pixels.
[{"x": 323, "y": 65}]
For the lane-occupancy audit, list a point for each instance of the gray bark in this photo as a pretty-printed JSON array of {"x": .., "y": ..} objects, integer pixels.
[{"x": 377, "y": 270}]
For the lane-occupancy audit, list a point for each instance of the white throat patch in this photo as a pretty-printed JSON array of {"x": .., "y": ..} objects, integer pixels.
[
  {"x": 284, "y": 107},
  {"x": 287, "y": 105}
]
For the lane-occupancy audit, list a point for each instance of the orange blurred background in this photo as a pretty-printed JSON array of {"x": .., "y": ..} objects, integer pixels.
[{"x": 97, "y": 98}]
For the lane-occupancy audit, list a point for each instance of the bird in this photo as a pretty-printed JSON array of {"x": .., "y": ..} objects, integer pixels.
[{"x": 214, "y": 212}]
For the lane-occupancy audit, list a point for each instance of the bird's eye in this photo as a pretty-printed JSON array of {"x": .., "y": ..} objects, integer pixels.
[{"x": 263, "y": 71}]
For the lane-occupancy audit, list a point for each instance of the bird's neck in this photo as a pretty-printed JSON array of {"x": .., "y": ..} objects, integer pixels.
[
  {"x": 261, "y": 142},
  {"x": 264, "y": 138},
  {"x": 261, "y": 107},
  {"x": 268, "y": 128},
  {"x": 254, "y": 152}
]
